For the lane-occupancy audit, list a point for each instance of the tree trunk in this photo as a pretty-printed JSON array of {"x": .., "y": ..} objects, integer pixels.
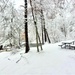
[
  {"x": 37, "y": 34},
  {"x": 42, "y": 21},
  {"x": 42, "y": 35},
  {"x": 19, "y": 38},
  {"x": 45, "y": 34},
  {"x": 48, "y": 36},
  {"x": 36, "y": 38},
  {"x": 35, "y": 23},
  {"x": 26, "y": 29}
]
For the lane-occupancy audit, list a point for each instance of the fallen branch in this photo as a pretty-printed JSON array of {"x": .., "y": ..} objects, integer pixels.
[{"x": 21, "y": 58}]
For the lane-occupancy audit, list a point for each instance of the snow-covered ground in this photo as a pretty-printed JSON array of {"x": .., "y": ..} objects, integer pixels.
[{"x": 51, "y": 61}]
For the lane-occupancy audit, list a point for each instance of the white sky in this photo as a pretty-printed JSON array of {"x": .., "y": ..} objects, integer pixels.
[{"x": 18, "y": 3}]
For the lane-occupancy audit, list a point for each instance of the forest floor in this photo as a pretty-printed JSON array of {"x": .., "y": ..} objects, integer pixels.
[{"x": 51, "y": 61}]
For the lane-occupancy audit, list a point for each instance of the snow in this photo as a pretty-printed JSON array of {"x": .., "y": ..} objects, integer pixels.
[
  {"x": 68, "y": 41},
  {"x": 51, "y": 61}
]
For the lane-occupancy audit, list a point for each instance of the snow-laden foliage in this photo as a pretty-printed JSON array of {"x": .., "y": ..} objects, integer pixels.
[
  {"x": 11, "y": 23},
  {"x": 59, "y": 20}
]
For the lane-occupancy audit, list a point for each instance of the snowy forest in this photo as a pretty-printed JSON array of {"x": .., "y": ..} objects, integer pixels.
[
  {"x": 57, "y": 16},
  {"x": 37, "y": 37}
]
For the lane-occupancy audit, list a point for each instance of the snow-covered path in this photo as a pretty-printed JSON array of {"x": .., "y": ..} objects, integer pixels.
[{"x": 51, "y": 61}]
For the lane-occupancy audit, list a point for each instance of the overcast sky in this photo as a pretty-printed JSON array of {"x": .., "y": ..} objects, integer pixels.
[{"x": 18, "y": 3}]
